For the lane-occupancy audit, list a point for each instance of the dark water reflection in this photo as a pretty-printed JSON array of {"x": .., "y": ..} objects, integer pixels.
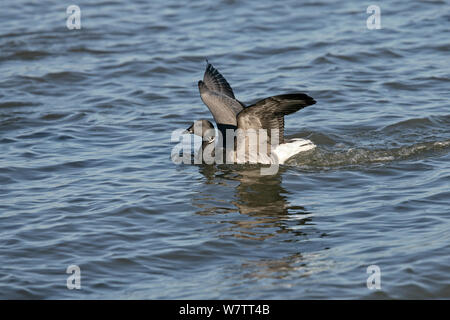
[
  {"x": 261, "y": 199},
  {"x": 255, "y": 207}
]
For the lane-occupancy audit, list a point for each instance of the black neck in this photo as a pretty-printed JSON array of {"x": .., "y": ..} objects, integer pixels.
[{"x": 221, "y": 141}]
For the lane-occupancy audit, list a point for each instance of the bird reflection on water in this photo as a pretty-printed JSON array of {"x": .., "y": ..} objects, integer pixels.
[{"x": 253, "y": 207}]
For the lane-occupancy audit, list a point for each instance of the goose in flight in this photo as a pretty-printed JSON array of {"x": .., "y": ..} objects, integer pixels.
[{"x": 265, "y": 118}]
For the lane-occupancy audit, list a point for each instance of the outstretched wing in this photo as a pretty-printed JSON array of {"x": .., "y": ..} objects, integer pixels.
[
  {"x": 216, "y": 82},
  {"x": 269, "y": 113},
  {"x": 218, "y": 96}
]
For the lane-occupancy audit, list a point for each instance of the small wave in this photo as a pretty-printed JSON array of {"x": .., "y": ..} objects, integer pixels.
[
  {"x": 71, "y": 76},
  {"x": 35, "y": 135},
  {"x": 321, "y": 60},
  {"x": 28, "y": 55},
  {"x": 14, "y": 104},
  {"x": 401, "y": 85},
  {"x": 418, "y": 123},
  {"x": 54, "y": 116},
  {"x": 433, "y": 78},
  {"x": 415, "y": 123},
  {"x": 63, "y": 76},
  {"x": 443, "y": 47},
  {"x": 83, "y": 49}
]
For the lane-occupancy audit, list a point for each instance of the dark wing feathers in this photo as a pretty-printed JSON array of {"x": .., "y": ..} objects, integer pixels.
[
  {"x": 269, "y": 113},
  {"x": 218, "y": 96},
  {"x": 223, "y": 108},
  {"x": 216, "y": 82}
]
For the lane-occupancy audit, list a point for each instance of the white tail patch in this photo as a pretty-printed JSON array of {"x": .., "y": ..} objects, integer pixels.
[{"x": 288, "y": 149}]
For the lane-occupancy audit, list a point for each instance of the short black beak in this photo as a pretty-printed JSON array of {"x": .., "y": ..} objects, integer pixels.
[{"x": 188, "y": 130}]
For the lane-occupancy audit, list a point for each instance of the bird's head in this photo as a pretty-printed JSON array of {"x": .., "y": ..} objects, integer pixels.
[{"x": 202, "y": 128}]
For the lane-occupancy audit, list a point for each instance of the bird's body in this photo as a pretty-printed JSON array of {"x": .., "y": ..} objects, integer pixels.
[{"x": 253, "y": 134}]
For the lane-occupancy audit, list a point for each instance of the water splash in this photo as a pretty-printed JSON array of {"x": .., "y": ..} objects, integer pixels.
[{"x": 334, "y": 158}]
